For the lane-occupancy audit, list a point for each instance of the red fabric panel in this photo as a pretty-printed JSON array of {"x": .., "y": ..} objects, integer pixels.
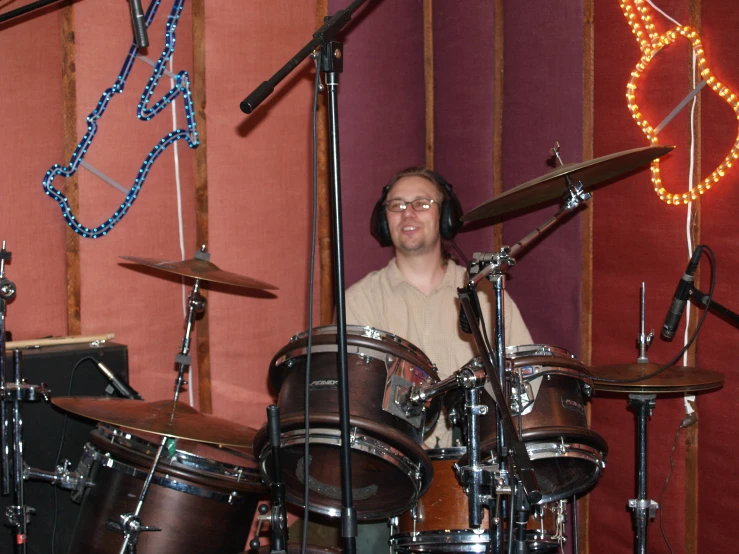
[
  {"x": 144, "y": 309},
  {"x": 636, "y": 238},
  {"x": 463, "y": 90},
  {"x": 30, "y": 223},
  {"x": 719, "y": 228},
  {"x": 259, "y": 191},
  {"x": 381, "y": 117},
  {"x": 542, "y": 103}
]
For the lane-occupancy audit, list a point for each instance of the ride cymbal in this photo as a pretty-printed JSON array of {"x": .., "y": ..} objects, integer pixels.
[
  {"x": 675, "y": 379},
  {"x": 156, "y": 417},
  {"x": 203, "y": 270},
  {"x": 553, "y": 184}
]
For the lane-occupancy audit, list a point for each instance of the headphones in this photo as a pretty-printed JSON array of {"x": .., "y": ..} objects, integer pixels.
[{"x": 449, "y": 221}]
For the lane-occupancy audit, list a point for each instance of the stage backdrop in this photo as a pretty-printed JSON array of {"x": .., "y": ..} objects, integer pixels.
[{"x": 456, "y": 85}]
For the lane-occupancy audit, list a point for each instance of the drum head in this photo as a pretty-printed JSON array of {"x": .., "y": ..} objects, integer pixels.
[{"x": 389, "y": 470}]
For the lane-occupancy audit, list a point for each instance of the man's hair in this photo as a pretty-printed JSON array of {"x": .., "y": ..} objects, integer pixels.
[
  {"x": 433, "y": 177},
  {"x": 419, "y": 171}
]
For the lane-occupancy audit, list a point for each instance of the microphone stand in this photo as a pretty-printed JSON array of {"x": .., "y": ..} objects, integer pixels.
[
  {"x": 331, "y": 64},
  {"x": 721, "y": 311}
]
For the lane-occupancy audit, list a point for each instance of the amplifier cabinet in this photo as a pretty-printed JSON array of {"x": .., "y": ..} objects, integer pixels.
[{"x": 42, "y": 434}]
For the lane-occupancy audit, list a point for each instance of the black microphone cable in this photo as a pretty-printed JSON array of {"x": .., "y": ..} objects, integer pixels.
[
  {"x": 61, "y": 446},
  {"x": 712, "y": 260},
  {"x": 306, "y": 453}
]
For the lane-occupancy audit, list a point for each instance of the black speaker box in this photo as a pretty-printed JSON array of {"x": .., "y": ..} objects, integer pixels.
[{"x": 42, "y": 435}]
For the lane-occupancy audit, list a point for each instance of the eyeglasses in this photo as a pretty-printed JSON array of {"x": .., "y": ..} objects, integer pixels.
[{"x": 419, "y": 204}]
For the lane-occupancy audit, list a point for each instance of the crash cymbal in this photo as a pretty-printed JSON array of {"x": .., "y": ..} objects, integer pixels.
[
  {"x": 553, "y": 184},
  {"x": 675, "y": 379},
  {"x": 156, "y": 417},
  {"x": 204, "y": 270}
]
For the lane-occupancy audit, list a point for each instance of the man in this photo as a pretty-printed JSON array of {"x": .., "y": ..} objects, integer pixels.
[{"x": 415, "y": 295}]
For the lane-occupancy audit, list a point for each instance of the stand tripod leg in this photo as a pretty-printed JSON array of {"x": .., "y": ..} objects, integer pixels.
[{"x": 643, "y": 508}]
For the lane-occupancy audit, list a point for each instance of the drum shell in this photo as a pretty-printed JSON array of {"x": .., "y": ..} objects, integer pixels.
[
  {"x": 445, "y": 505},
  {"x": 368, "y": 376},
  {"x": 389, "y": 466},
  {"x": 202, "y": 520},
  {"x": 557, "y": 422}
]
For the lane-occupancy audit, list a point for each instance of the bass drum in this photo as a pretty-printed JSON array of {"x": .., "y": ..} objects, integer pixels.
[
  {"x": 548, "y": 405},
  {"x": 439, "y": 521},
  {"x": 202, "y": 497},
  {"x": 295, "y": 549},
  {"x": 390, "y": 469}
]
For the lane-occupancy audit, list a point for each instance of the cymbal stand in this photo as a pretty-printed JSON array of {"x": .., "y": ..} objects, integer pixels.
[
  {"x": 7, "y": 292},
  {"x": 129, "y": 524},
  {"x": 195, "y": 305},
  {"x": 493, "y": 267},
  {"x": 643, "y": 405},
  {"x": 332, "y": 65}
]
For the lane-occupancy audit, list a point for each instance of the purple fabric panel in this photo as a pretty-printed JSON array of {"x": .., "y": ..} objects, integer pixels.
[
  {"x": 543, "y": 104},
  {"x": 463, "y": 106},
  {"x": 381, "y": 117}
]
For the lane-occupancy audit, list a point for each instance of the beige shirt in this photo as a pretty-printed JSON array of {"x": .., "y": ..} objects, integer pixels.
[{"x": 386, "y": 301}]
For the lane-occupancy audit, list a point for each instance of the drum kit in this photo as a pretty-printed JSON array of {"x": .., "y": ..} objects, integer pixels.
[{"x": 163, "y": 477}]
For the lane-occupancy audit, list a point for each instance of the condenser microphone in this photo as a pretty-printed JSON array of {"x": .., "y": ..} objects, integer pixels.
[
  {"x": 675, "y": 313},
  {"x": 139, "y": 24},
  {"x": 122, "y": 388}
]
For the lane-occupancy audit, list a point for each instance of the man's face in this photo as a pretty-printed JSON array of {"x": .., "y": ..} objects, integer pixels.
[{"x": 414, "y": 233}]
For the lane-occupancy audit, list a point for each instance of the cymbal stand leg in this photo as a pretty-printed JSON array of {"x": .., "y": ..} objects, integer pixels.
[
  {"x": 18, "y": 514},
  {"x": 7, "y": 292},
  {"x": 195, "y": 305},
  {"x": 129, "y": 524},
  {"x": 643, "y": 508}
]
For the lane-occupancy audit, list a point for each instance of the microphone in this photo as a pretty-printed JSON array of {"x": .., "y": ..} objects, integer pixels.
[
  {"x": 675, "y": 313},
  {"x": 122, "y": 388},
  {"x": 139, "y": 24}
]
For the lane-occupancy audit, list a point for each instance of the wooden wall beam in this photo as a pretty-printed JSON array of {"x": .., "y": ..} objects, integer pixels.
[
  {"x": 325, "y": 243},
  {"x": 69, "y": 103},
  {"x": 691, "y": 433},
  {"x": 586, "y": 226},
  {"x": 498, "y": 68},
  {"x": 428, "y": 76},
  {"x": 201, "y": 196}
]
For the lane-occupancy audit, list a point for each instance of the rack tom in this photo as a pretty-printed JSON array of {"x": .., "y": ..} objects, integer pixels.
[
  {"x": 390, "y": 469},
  {"x": 549, "y": 389},
  {"x": 203, "y": 497}
]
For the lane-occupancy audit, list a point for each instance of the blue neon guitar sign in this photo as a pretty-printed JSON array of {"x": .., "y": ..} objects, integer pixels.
[{"x": 145, "y": 111}]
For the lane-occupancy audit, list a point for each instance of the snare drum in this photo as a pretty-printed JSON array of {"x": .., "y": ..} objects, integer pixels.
[
  {"x": 389, "y": 467},
  {"x": 203, "y": 497},
  {"x": 549, "y": 390},
  {"x": 439, "y": 521}
]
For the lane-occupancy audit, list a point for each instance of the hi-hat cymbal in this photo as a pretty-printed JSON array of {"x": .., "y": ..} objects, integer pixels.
[
  {"x": 553, "y": 184},
  {"x": 204, "y": 270},
  {"x": 156, "y": 417},
  {"x": 675, "y": 379}
]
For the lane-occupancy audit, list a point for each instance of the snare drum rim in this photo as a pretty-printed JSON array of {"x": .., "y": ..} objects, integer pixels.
[
  {"x": 182, "y": 465},
  {"x": 163, "y": 479}
]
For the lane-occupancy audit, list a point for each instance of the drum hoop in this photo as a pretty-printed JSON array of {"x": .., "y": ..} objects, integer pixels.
[
  {"x": 363, "y": 331},
  {"x": 537, "y": 371},
  {"x": 450, "y": 453},
  {"x": 105, "y": 460},
  {"x": 460, "y": 538},
  {"x": 536, "y": 350},
  {"x": 182, "y": 459},
  {"x": 359, "y": 442},
  {"x": 543, "y": 450},
  {"x": 357, "y": 335}
]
